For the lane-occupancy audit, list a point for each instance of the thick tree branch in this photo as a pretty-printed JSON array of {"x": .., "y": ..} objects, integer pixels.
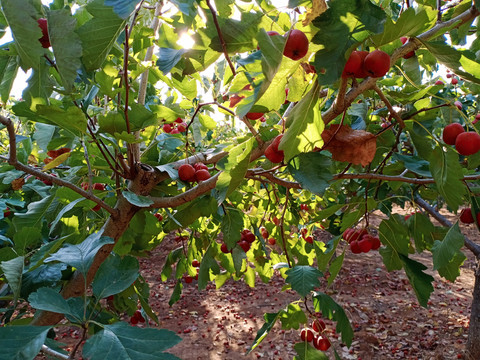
[
  {"x": 469, "y": 244},
  {"x": 12, "y": 160}
]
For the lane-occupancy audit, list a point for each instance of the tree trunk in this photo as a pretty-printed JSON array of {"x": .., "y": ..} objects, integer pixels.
[{"x": 473, "y": 342}]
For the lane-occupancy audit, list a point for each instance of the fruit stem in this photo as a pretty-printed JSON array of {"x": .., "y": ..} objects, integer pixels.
[{"x": 389, "y": 106}]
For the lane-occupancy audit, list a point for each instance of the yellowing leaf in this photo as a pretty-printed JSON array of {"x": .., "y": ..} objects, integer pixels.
[
  {"x": 57, "y": 161},
  {"x": 318, "y": 7}
]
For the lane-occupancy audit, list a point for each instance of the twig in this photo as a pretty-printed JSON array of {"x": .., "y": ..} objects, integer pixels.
[
  {"x": 87, "y": 160},
  {"x": 469, "y": 244},
  {"x": 389, "y": 106},
  {"x": 48, "y": 351},
  {"x": 220, "y": 36},
  {"x": 426, "y": 109},
  {"x": 339, "y": 101},
  {"x": 282, "y": 229}
]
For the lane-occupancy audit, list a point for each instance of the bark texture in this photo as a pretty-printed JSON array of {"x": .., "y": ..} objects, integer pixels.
[{"x": 473, "y": 343}]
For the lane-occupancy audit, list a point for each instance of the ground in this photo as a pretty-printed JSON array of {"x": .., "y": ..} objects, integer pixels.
[{"x": 387, "y": 319}]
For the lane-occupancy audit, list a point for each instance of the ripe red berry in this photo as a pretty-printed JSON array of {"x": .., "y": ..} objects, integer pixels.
[
  {"x": 365, "y": 245},
  {"x": 178, "y": 120},
  {"x": 98, "y": 186},
  {"x": 224, "y": 249},
  {"x": 167, "y": 128},
  {"x": 159, "y": 216},
  {"x": 45, "y": 39},
  {"x": 309, "y": 239},
  {"x": 175, "y": 131},
  {"x": 139, "y": 316},
  {"x": 322, "y": 343},
  {"x": 272, "y": 153},
  {"x": 7, "y": 212},
  {"x": 186, "y": 172},
  {"x": 272, "y": 241},
  {"x": 200, "y": 166},
  {"x": 361, "y": 72},
  {"x": 182, "y": 127},
  {"x": 439, "y": 82},
  {"x": 133, "y": 320},
  {"x": 202, "y": 175},
  {"x": 353, "y": 64},
  {"x": 450, "y": 133},
  {"x": 375, "y": 243},
  {"x": 458, "y": 104},
  {"x": 96, "y": 207},
  {"x": 354, "y": 247},
  {"x": 296, "y": 46},
  {"x": 306, "y": 335},
  {"x": 248, "y": 236},
  {"x": 318, "y": 325},
  {"x": 254, "y": 115},
  {"x": 188, "y": 279},
  {"x": 467, "y": 143},
  {"x": 377, "y": 63},
  {"x": 264, "y": 232},
  {"x": 245, "y": 245},
  {"x": 195, "y": 263},
  {"x": 466, "y": 216},
  {"x": 454, "y": 81}
]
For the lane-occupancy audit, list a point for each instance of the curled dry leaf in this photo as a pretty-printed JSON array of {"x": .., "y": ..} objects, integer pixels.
[
  {"x": 355, "y": 146},
  {"x": 18, "y": 183}
]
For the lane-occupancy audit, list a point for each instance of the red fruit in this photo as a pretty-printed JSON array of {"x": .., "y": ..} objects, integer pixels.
[
  {"x": 296, "y": 46},
  {"x": 375, "y": 243},
  {"x": 304, "y": 232},
  {"x": 309, "y": 239},
  {"x": 159, "y": 216},
  {"x": 454, "y": 81},
  {"x": 96, "y": 207},
  {"x": 202, "y": 175},
  {"x": 49, "y": 182},
  {"x": 235, "y": 99},
  {"x": 175, "y": 131},
  {"x": 272, "y": 241},
  {"x": 361, "y": 72},
  {"x": 133, "y": 320},
  {"x": 276, "y": 221},
  {"x": 354, "y": 234},
  {"x": 458, "y": 104},
  {"x": 477, "y": 118},
  {"x": 248, "y": 236},
  {"x": 275, "y": 157},
  {"x": 186, "y": 172},
  {"x": 306, "y": 335},
  {"x": 98, "y": 186},
  {"x": 318, "y": 325},
  {"x": 286, "y": 96},
  {"x": 449, "y": 76},
  {"x": 178, "y": 120},
  {"x": 44, "y": 40},
  {"x": 353, "y": 64},
  {"x": 377, "y": 63},
  {"x": 167, "y": 128},
  {"x": 355, "y": 248},
  {"x": 139, "y": 316},
  {"x": 322, "y": 344},
  {"x": 450, "y": 133},
  {"x": 245, "y": 245},
  {"x": 224, "y": 249},
  {"x": 200, "y": 166},
  {"x": 466, "y": 216},
  {"x": 365, "y": 244},
  {"x": 195, "y": 263},
  {"x": 254, "y": 115},
  {"x": 439, "y": 82},
  {"x": 467, "y": 143},
  {"x": 188, "y": 279},
  {"x": 411, "y": 53},
  {"x": 264, "y": 232},
  {"x": 182, "y": 127},
  {"x": 7, "y": 212}
]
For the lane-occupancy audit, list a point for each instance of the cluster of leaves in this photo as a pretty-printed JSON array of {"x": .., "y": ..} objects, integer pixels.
[{"x": 106, "y": 98}]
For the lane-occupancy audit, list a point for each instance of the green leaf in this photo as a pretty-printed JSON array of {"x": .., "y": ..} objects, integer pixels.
[
  {"x": 123, "y": 7},
  {"x": 203, "y": 206},
  {"x": 421, "y": 229},
  {"x": 393, "y": 233},
  {"x": 304, "y": 126},
  {"x": 8, "y": 72},
  {"x": 414, "y": 164},
  {"x": 335, "y": 268},
  {"x": 63, "y": 211},
  {"x": 312, "y": 171},
  {"x": 50, "y": 300},
  {"x": 66, "y": 45},
  {"x": 39, "y": 86},
  {"x": 21, "y": 16},
  {"x": 421, "y": 281},
  {"x": 26, "y": 237},
  {"x": 122, "y": 341},
  {"x": 176, "y": 293},
  {"x": 115, "y": 275},
  {"x": 305, "y": 351},
  {"x": 447, "y": 256},
  {"x": 36, "y": 213},
  {"x": 292, "y": 317},
  {"x": 209, "y": 263},
  {"x": 232, "y": 226},
  {"x": 22, "y": 342},
  {"x": 331, "y": 310},
  {"x": 81, "y": 256},
  {"x": 303, "y": 279},
  {"x": 113, "y": 122},
  {"x": 99, "y": 34},
  {"x": 462, "y": 62},
  {"x": 448, "y": 175},
  {"x": 270, "y": 320},
  {"x": 12, "y": 270},
  {"x": 324, "y": 256},
  {"x": 168, "y": 58},
  {"x": 73, "y": 119},
  {"x": 233, "y": 166},
  {"x": 137, "y": 200},
  {"x": 349, "y": 22}
]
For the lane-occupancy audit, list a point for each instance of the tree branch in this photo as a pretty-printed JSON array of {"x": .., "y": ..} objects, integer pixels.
[
  {"x": 389, "y": 106},
  {"x": 469, "y": 244}
]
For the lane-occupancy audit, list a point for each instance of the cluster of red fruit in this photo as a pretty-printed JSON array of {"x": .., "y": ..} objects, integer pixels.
[
  {"x": 466, "y": 216},
  {"x": 246, "y": 239},
  {"x": 272, "y": 153},
  {"x": 198, "y": 172},
  {"x": 466, "y": 142},
  {"x": 52, "y": 154},
  {"x": 7, "y": 212},
  {"x": 177, "y": 127},
  {"x": 360, "y": 240},
  {"x": 96, "y": 186},
  {"x": 188, "y": 278},
  {"x": 137, "y": 317},
  {"x": 361, "y": 64},
  {"x": 265, "y": 235},
  {"x": 314, "y": 335},
  {"x": 45, "y": 39},
  {"x": 309, "y": 238}
]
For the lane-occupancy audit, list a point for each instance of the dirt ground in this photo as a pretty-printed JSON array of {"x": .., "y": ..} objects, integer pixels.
[{"x": 388, "y": 322}]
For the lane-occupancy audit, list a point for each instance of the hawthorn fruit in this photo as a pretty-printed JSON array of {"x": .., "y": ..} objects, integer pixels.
[
  {"x": 186, "y": 172},
  {"x": 167, "y": 128},
  {"x": 309, "y": 239},
  {"x": 322, "y": 343},
  {"x": 410, "y": 54},
  {"x": 272, "y": 153},
  {"x": 306, "y": 335},
  {"x": 7, "y": 212},
  {"x": 450, "y": 133},
  {"x": 202, "y": 175},
  {"x": 466, "y": 216},
  {"x": 439, "y": 82},
  {"x": 296, "y": 46},
  {"x": 361, "y": 72},
  {"x": 98, "y": 186},
  {"x": 353, "y": 64},
  {"x": 248, "y": 236},
  {"x": 318, "y": 325},
  {"x": 272, "y": 241},
  {"x": 45, "y": 39},
  {"x": 458, "y": 104},
  {"x": 195, "y": 263},
  {"x": 377, "y": 63},
  {"x": 254, "y": 115},
  {"x": 454, "y": 81},
  {"x": 244, "y": 244},
  {"x": 467, "y": 143},
  {"x": 224, "y": 249},
  {"x": 159, "y": 216},
  {"x": 188, "y": 279}
]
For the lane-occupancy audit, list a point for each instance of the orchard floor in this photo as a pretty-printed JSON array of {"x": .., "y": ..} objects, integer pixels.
[{"x": 387, "y": 319}]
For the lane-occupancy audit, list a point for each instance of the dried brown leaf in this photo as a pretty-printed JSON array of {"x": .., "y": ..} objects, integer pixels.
[
  {"x": 355, "y": 146},
  {"x": 18, "y": 183},
  {"x": 318, "y": 7}
]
